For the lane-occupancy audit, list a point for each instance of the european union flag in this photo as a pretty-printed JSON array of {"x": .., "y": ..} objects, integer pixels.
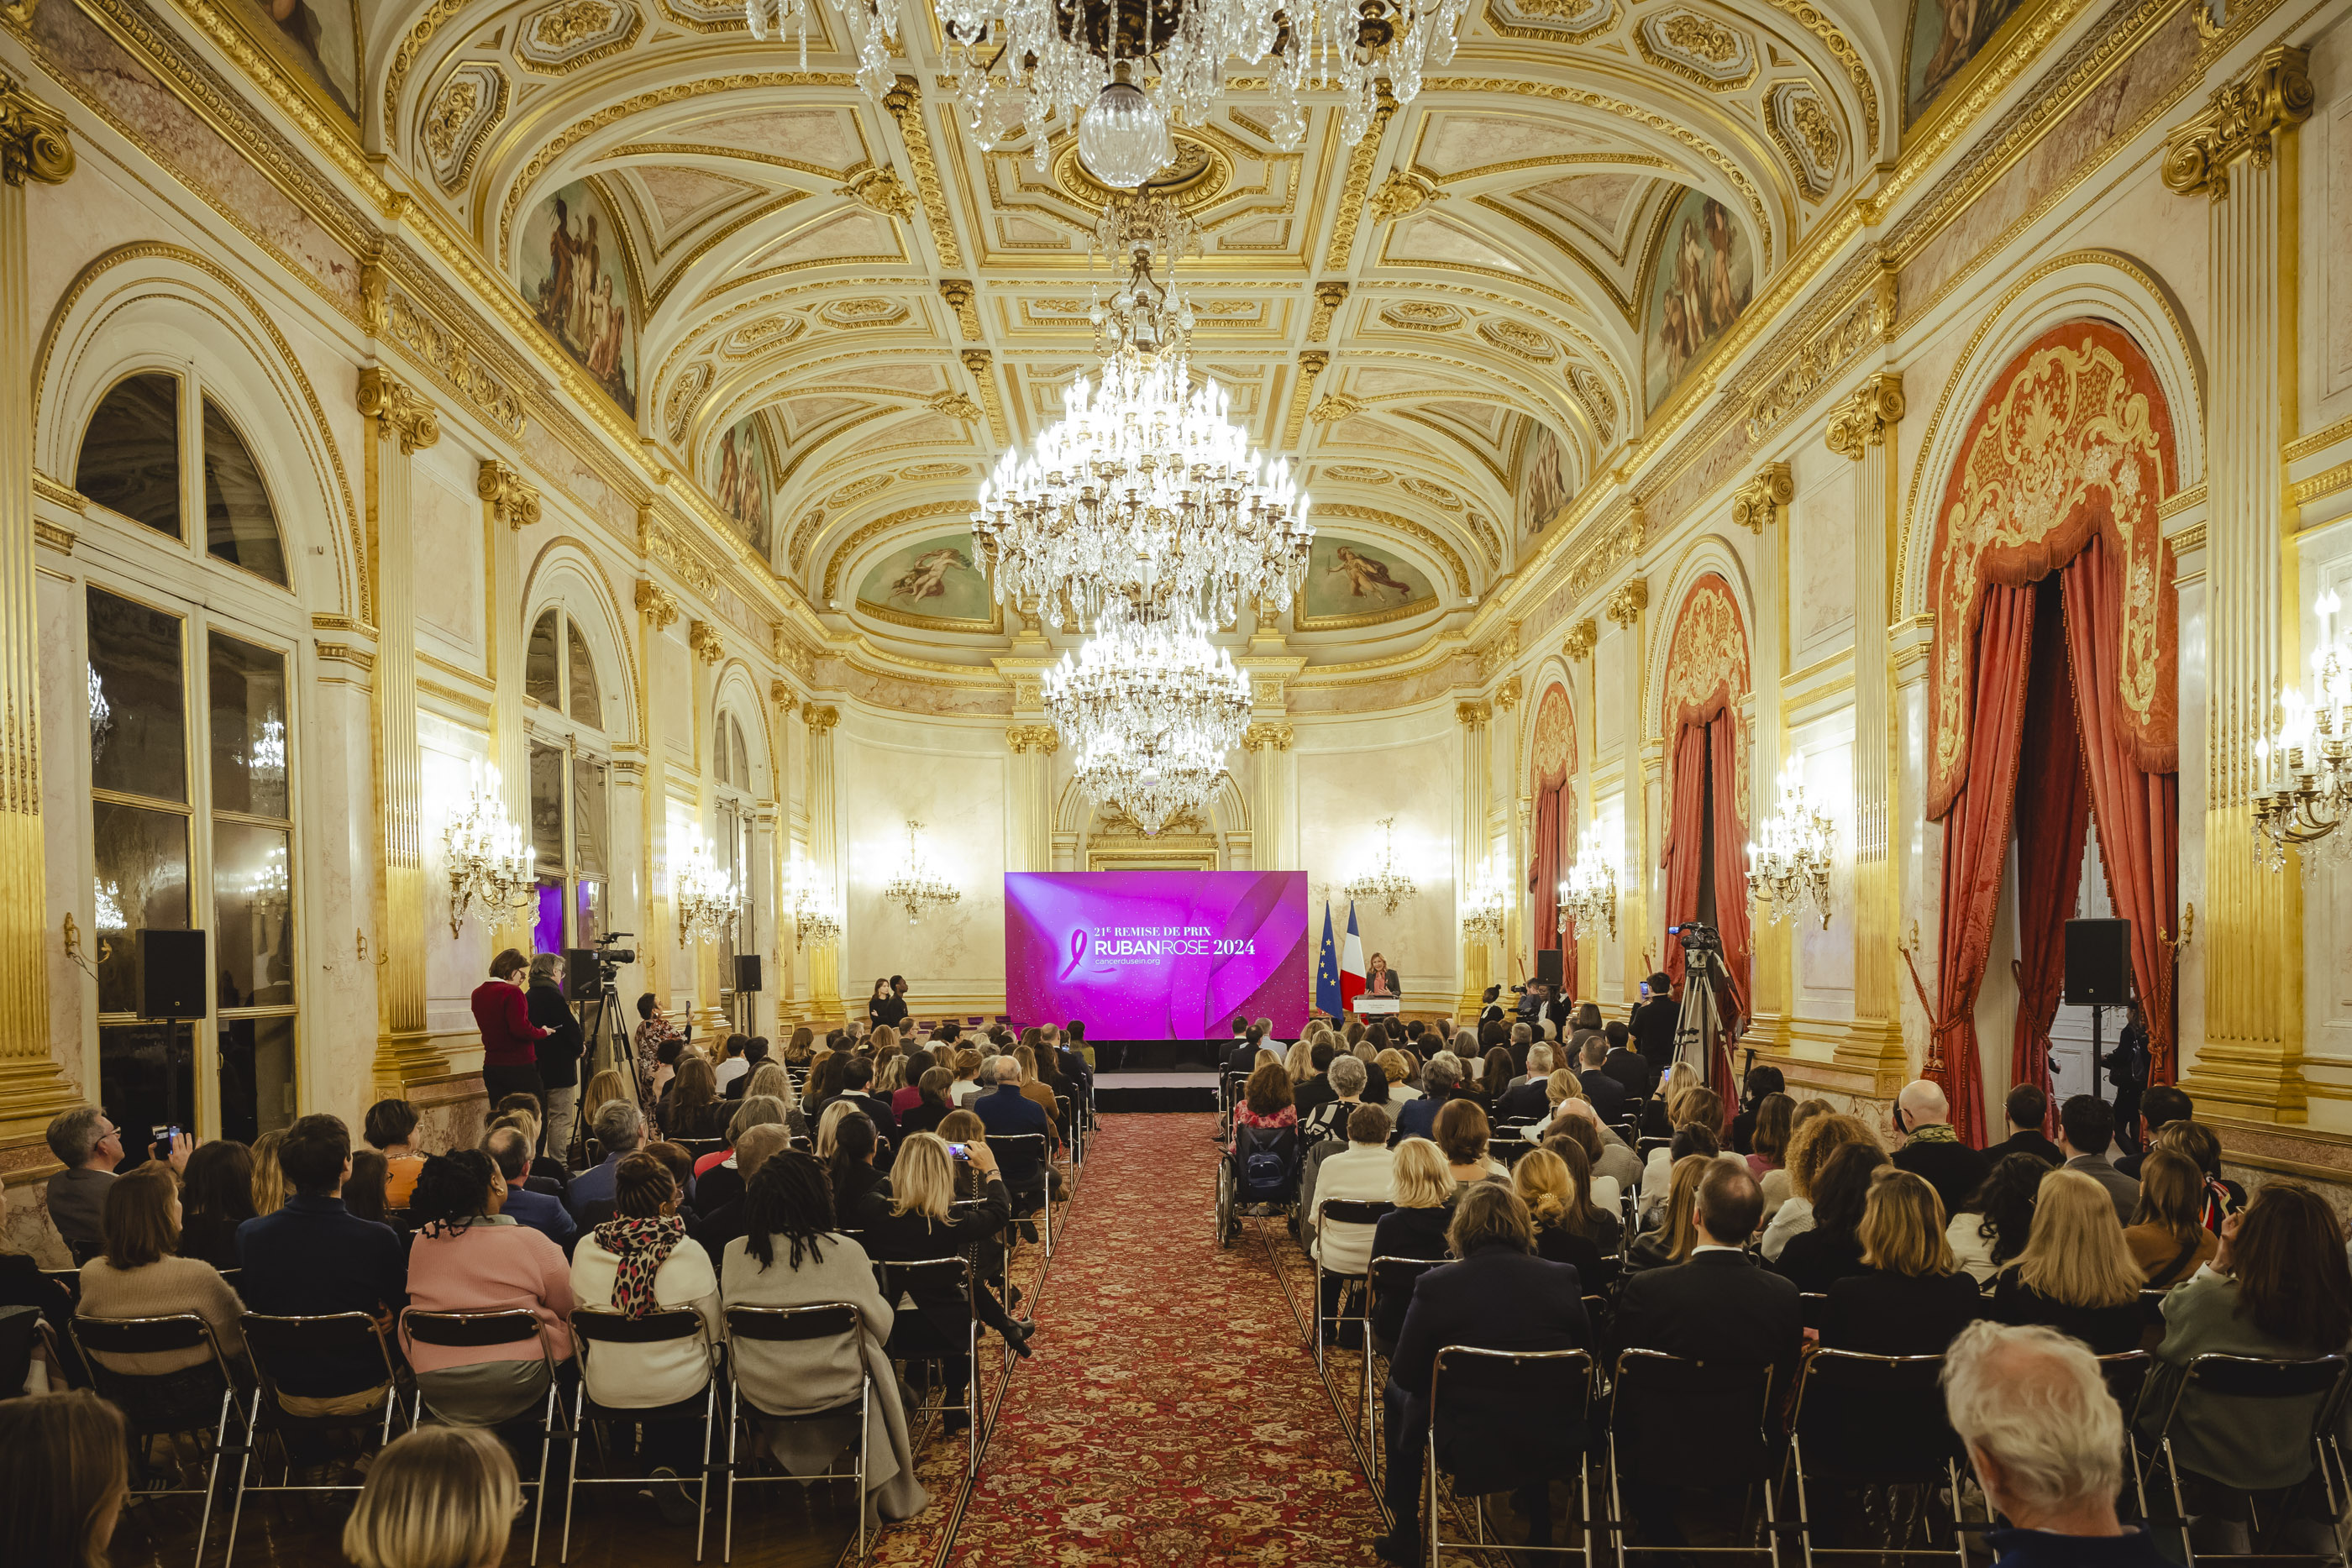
[{"x": 1326, "y": 971}]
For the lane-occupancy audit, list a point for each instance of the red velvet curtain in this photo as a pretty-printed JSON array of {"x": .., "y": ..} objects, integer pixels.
[
  {"x": 2049, "y": 842},
  {"x": 2138, "y": 813},
  {"x": 1554, "y": 809},
  {"x": 1730, "y": 890},
  {"x": 1976, "y": 849},
  {"x": 1685, "y": 836}
]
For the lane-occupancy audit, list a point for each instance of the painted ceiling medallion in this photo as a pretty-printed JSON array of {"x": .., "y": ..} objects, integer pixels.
[
  {"x": 755, "y": 337},
  {"x": 870, "y": 312},
  {"x": 1698, "y": 47},
  {"x": 1357, "y": 473},
  {"x": 1436, "y": 495},
  {"x": 856, "y": 490},
  {"x": 469, "y": 104},
  {"x": 1805, "y": 129},
  {"x": 565, "y": 36},
  {"x": 1422, "y": 315},
  {"x": 1196, "y": 176},
  {"x": 1519, "y": 338}
]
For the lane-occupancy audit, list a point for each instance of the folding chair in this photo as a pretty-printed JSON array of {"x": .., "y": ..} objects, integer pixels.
[
  {"x": 1678, "y": 1417},
  {"x": 803, "y": 1325},
  {"x": 1074, "y": 1131},
  {"x": 1546, "y": 1384},
  {"x": 1844, "y": 1393},
  {"x": 1341, "y": 1211},
  {"x": 2125, "y": 1376},
  {"x": 1026, "y": 1153},
  {"x": 1004, "y": 1277},
  {"x": 20, "y": 1331},
  {"x": 280, "y": 1345},
  {"x": 164, "y": 1405},
  {"x": 479, "y": 1331},
  {"x": 592, "y": 1326},
  {"x": 897, "y": 1283},
  {"x": 1385, "y": 1277},
  {"x": 2321, "y": 1380},
  {"x": 697, "y": 1147}
]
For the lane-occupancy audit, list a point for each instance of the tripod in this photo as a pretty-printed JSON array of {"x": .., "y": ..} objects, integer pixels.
[
  {"x": 1699, "y": 1034},
  {"x": 605, "y": 1030}
]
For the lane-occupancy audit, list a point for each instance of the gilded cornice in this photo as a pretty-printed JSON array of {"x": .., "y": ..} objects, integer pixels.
[
  {"x": 409, "y": 417},
  {"x": 1758, "y": 501},
  {"x": 905, "y": 103},
  {"x": 1818, "y": 358},
  {"x": 1497, "y": 653},
  {"x": 388, "y": 313},
  {"x": 1312, "y": 364},
  {"x": 1862, "y": 420},
  {"x": 2241, "y": 119},
  {"x": 1356, "y": 187}
]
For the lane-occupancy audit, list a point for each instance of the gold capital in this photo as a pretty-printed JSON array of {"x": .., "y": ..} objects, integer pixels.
[
  {"x": 1328, "y": 297},
  {"x": 401, "y": 411},
  {"x": 958, "y": 294},
  {"x": 1506, "y": 695},
  {"x": 977, "y": 361},
  {"x": 704, "y": 639},
  {"x": 1313, "y": 363},
  {"x": 820, "y": 718},
  {"x": 1861, "y": 421},
  {"x": 33, "y": 138},
  {"x": 1472, "y": 714},
  {"x": 780, "y": 692},
  {"x": 658, "y": 603},
  {"x": 516, "y": 503},
  {"x": 1625, "y": 605},
  {"x": 1267, "y": 738},
  {"x": 1027, "y": 738},
  {"x": 1578, "y": 644},
  {"x": 1753, "y": 504},
  {"x": 2241, "y": 119}
]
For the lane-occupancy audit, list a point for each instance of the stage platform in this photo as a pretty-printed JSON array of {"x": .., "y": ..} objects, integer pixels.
[{"x": 1182, "y": 1090}]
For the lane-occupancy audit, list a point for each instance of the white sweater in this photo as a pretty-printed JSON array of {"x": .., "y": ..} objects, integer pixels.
[
  {"x": 638, "y": 1376},
  {"x": 1361, "y": 1173}
]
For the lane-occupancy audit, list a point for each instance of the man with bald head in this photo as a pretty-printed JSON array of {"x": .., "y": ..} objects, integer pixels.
[{"x": 1931, "y": 1149}]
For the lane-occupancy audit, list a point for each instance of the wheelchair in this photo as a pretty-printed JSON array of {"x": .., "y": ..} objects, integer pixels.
[{"x": 1260, "y": 1175}]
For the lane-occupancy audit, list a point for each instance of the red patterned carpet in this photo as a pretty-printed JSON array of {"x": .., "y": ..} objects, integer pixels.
[{"x": 1171, "y": 1416}]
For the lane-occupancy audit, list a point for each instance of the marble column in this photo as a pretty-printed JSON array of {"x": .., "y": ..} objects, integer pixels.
[
  {"x": 400, "y": 425},
  {"x": 825, "y": 859},
  {"x": 33, "y": 1087},
  {"x": 1760, "y": 504},
  {"x": 2239, "y": 155},
  {"x": 710, "y": 649},
  {"x": 1862, "y": 429},
  {"x": 1031, "y": 815},
  {"x": 508, "y": 506},
  {"x": 657, "y": 610},
  {"x": 1472, "y": 853},
  {"x": 1627, "y": 610},
  {"x": 781, "y": 989},
  {"x": 1274, "y": 775}
]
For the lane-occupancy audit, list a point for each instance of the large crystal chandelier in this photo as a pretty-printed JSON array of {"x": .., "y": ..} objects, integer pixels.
[
  {"x": 1790, "y": 862},
  {"x": 1123, "y": 71},
  {"x": 1387, "y": 884},
  {"x": 1143, "y": 491},
  {"x": 2303, "y": 764},
  {"x": 1150, "y": 707},
  {"x": 918, "y": 888}
]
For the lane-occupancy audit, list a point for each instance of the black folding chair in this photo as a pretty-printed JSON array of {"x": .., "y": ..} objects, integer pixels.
[
  {"x": 1023, "y": 1161},
  {"x": 898, "y": 1280},
  {"x": 20, "y": 1331},
  {"x": 1548, "y": 1384},
  {"x": 1385, "y": 1277},
  {"x": 1840, "y": 1436},
  {"x": 1670, "y": 1418},
  {"x": 803, "y": 1325},
  {"x": 166, "y": 1404},
  {"x": 282, "y": 1344},
  {"x": 592, "y": 1326},
  {"x": 2125, "y": 1376},
  {"x": 2320, "y": 1380},
  {"x": 1812, "y": 1308},
  {"x": 1073, "y": 1130},
  {"x": 481, "y": 1331},
  {"x": 1341, "y": 1211}
]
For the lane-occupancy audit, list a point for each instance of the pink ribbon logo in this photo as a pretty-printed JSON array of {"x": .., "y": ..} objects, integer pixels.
[{"x": 1078, "y": 953}]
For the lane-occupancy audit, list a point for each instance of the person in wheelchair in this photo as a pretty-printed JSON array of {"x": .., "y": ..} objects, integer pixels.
[{"x": 1267, "y": 1102}]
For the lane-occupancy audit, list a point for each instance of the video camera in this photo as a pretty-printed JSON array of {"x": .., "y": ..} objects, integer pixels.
[
  {"x": 609, "y": 958},
  {"x": 1696, "y": 937}
]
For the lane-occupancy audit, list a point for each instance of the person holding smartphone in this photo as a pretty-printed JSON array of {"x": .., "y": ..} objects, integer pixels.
[{"x": 917, "y": 1222}]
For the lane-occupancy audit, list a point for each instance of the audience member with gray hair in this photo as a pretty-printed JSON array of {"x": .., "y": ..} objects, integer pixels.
[
  {"x": 2047, "y": 1442},
  {"x": 509, "y": 1150},
  {"x": 619, "y": 1127},
  {"x": 1347, "y": 1077},
  {"x": 1437, "y": 1082}
]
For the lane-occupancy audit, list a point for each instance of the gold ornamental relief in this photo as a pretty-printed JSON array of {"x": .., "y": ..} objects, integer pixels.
[
  {"x": 1551, "y": 753},
  {"x": 1706, "y": 672}
]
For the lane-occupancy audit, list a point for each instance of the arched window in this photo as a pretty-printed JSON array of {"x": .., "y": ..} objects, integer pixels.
[
  {"x": 569, "y": 771},
  {"x": 730, "y": 765},
  {"x": 132, "y": 463}
]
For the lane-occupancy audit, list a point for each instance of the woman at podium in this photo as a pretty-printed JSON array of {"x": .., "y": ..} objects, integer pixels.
[{"x": 1379, "y": 980}]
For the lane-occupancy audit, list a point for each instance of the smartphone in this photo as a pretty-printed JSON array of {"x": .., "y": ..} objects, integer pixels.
[
  {"x": 959, "y": 1151},
  {"x": 1645, "y": 990}
]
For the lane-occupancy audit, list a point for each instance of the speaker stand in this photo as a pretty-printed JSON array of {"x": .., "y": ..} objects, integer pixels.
[{"x": 2098, "y": 1068}]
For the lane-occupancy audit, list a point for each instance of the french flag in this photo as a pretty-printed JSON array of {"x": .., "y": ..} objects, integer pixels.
[{"x": 1352, "y": 964}]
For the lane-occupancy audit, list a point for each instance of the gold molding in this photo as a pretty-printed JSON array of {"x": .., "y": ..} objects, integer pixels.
[
  {"x": 515, "y": 503},
  {"x": 1579, "y": 644},
  {"x": 658, "y": 603},
  {"x": 2325, "y": 483},
  {"x": 1311, "y": 365},
  {"x": 1268, "y": 737},
  {"x": 63, "y": 495},
  {"x": 1757, "y": 502},
  {"x": 821, "y": 719},
  {"x": 1355, "y": 188},
  {"x": 1043, "y": 738},
  {"x": 958, "y": 294},
  {"x": 1625, "y": 606},
  {"x": 1330, "y": 296},
  {"x": 705, "y": 640},
  {"x": 2180, "y": 501},
  {"x": 2241, "y": 119},
  {"x": 904, "y": 100},
  {"x": 36, "y": 142},
  {"x": 55, "y": 536},
  {"x": 394, "y": 404},
  {"x": 1863, "y": 419}
]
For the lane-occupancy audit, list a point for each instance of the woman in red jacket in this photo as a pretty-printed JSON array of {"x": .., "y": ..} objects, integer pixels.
[{"x": 509, "y": 1039}]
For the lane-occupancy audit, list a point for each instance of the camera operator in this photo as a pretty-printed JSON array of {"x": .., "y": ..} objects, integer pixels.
[{"x": 1655, "y": 1020}]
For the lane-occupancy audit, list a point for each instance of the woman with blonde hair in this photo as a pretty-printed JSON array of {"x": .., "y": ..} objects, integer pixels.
[
  {"x": 800, "y": 1046},
  {"x": 1569, "y": 1228},
  {"x": 437, "y": 1497},
  {"x": 1299, "y": 1061},
  {"x": 2168, "y": 1236},
  {"x": 1911, "y": 1298},
  {"x": 966, "y": 1084},
  {"x": 829, "y": 1124},
  {"x": 2076, "y": 1274},
  {"x": 1415, "y": 1227},
  {"x": 889, "y": 1075},
  {"x": 913, "y": 1223},
  {"x": 1396, "y": 1071},
  {"x": 1672, "y": 1241},
  {"x": 1810, "y": 1148},
  {"x": 770, "y": 1078},
  {"x": 1658, "y": 1115},
  {"x": 269, "y": 1180},
  {"x": 603, "y": 1089}
]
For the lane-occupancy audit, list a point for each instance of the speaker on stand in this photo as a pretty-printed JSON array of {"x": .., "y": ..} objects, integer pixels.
[
  {"x": 2098, "y": 976},
  {"x": 174, "y": 979}
]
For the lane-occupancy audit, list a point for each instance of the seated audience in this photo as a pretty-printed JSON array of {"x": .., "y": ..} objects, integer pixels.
[
  {"x": 268, "y": 1181},
  {"x": 717, "y": 1177},
  {"x": 857, "y": 1079},
  {"x": 2046, "y": 1441},
  {"x": 314, "y": 1256},
  {"x": 619, "y": 1128},
  {"x": 914, "y": 1223},
  {"x": 1994, "y": 1225},
  {"x": 1040, "y": 1090},
  {"x": 1694, "y": 1138},
  {"x": 1460, "y": 1134},
  {"x": 363, "y": 1194},
  {"x": 215, "y": 1197},
  {"x": 509, "y": 1150},
  {"x": 691, "y": 1107},
  {"x": 438, "y": 1497},
  {"x": 1569, "y": 1228},
  {"x": 1810, "y": 1148},
  {"x": 1932, "y": 1148},
  {"x": 388, "y": 1127},
  {"x": 1910, "y": 1299},
  {"x": 1604, "y": 1150},
  {"x": 2075, "y": 1274},
  {"x": 926, "y": 1103},
  {"x": 141, "y": 1275},
  {"x": 1624, "y": 1063},
  {"x": 2223, "y": 1196},
  {"x": 850, "y": 1162},
  {"x": 1502, "y": 1297},
  {"x": 1343, "y": 1085},
  {"x": 1774, "y": 1180},
  {"x": 1528, "y": 1098},
  {"x": 90, "y": 1146},
  {"x": 2161, "y": 1105},
  {"x": 2168, "y": 1236},
  {"x": 2278, "y": 1286},
  {"x": 1396, "y": 1070},
  {"x": 723, "y": 1223},
  {"x": 1678, "y": 1232},
  {"x": 1761, "y": 1084},
  {"x": 2026, "y": 1109},
  {"x": 1658, "y": 1117},
  {"x": 467, "y": 1256},
  {"x": 793, "y": 1255},
  {"x": 639, "y": 1261},
  {"x": 2086, "y": 1126},
  {"x": 1815, "y": 1259},
  {"x": 1267, "y": 1099},
  {"x": 1415, "y": 1228},
  {"x": 64, "y": 1478},
  {"x": 1440, "y": 1082},
  {"x": 1361, "y": 1172}
]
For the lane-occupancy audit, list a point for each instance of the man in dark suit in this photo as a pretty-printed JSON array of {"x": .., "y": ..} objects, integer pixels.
[
  {"x": 314, "y": 1258},
  {"x": 1626, "y": 1065},
  {"x": 1721, "y": 1306},
  {"x": 1607, "y": 1095},
  {"x": 2086, "y": 1130},
  {"x": 1419, "y": 1115},
  {"x": 1655, "y": 1019},
  {"x": 1931, "y": 1149},
  {"x": 855, "y": 1074},
  {"x": 1243, "y": 1056},
  {"x": 1317, "y": 1091},
  {"x": 2027, "y": 1107},
  {"x": 1003, "y": 1108},
  {"x": 1498, "y": 1297},
  {"x": 2161, "y": 1105},
  {"x": 1528, "y": 1098},
  {"x": 543, "y": 1212}
]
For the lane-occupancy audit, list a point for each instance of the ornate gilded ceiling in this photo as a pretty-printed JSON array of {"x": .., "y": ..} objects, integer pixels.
[{"x": 834, "y": 314}]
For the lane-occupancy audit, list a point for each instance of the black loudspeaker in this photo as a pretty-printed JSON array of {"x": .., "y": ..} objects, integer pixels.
[
  {"x": 747, "y": 971},
  {"x": 2099, "y": 963},
  {"x": 580, "y": 973},
  {"x": 172, "y": 971},
  {"x": 1548, "y": 965}
]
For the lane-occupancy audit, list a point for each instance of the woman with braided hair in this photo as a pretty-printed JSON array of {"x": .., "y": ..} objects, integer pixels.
[
  {"x": 639, "y": 1261},
  {"x": 469, "y": 1257}
]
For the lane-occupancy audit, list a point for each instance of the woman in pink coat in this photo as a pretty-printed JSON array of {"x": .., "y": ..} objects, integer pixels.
[{"x": 469, "y": 1257}]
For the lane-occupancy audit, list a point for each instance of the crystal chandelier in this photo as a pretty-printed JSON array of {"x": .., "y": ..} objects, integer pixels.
[
  {"x": 1124, "y": 70},
  {"x": 814, "y": 923},
  {"x": 918, "y": 887},
  {"x": 1150, "y": 707},
  {"x": 1387, "y": 884},
  {"x": 1482, "y": 908},
  {"x": 1143, "y": 491},
  {"x": 1589, "y": 896},
  {"x": 1792, "y": 863},
  {"x": 705, "y": 897},
  {"x": 2303, "y": 766},
  {"x": 489, "y": 863}
]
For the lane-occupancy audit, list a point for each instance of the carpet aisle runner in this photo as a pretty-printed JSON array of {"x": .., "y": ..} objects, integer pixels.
[{"x": 1168, "y": 1417}]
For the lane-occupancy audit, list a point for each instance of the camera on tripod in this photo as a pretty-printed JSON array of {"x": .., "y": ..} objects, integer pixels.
[
  {"x": 609, "y": 958},
  {"x": 1697, "y": 936}
]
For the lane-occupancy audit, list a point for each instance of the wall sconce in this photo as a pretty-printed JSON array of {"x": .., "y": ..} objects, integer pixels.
[
  {"x": 814, "y": 923},
  {"x": 705, "y": 897},
  {"x": 1792, "y": 863},
  {"x": 1589, "y": 896},
  {"x": 489, "y": 863},
  {"x": 918, "y": 887},
  {"x": 1482, "y": 908}
]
